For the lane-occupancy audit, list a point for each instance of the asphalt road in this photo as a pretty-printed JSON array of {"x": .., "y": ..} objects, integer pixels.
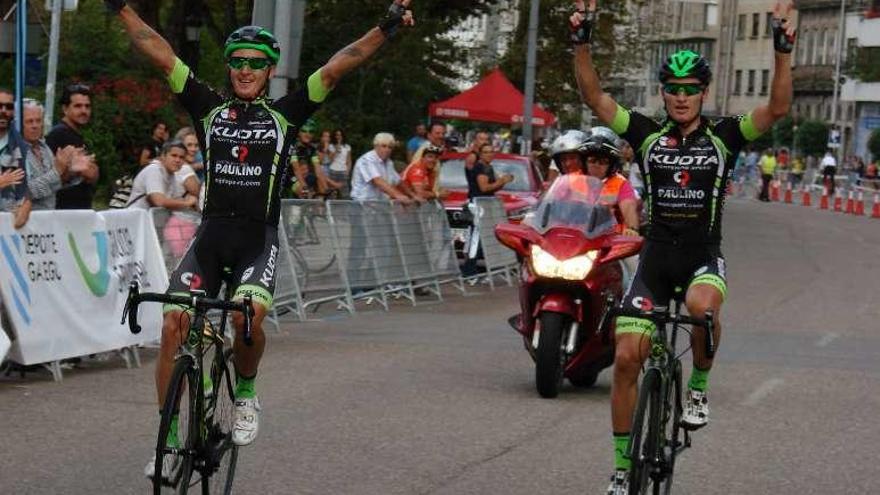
[{"x": 440, "y": 399}]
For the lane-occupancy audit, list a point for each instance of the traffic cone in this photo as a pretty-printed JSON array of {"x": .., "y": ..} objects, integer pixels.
[
  {"x": 807, "y": 198},
  {"x": 860, "y": 205},
  {"x": 875, "y": 211},
  {"x": 774, "y": 191},
  {"x": 850, "y": 204},
  {"x": 788, "y": 193},
  {"x": 838, "y": 201},
  {"x": 823, "y": 203}
]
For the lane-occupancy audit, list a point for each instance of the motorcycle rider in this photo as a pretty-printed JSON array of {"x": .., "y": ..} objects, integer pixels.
[{"x": 685, "y": 161}]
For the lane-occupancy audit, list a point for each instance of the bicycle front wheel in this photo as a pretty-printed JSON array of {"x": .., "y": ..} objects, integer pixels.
[
  {"x": 673, "y": 430},
  {"x": 222, "y": 453},
  {"x": 643, "y": 449},
  {"x": 180, "y": 412}
]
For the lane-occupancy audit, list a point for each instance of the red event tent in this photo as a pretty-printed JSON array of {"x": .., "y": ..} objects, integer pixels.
[{"x": 494, "y": 99}]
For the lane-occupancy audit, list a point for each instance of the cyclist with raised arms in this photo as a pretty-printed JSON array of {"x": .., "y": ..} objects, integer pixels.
[
  {"x": 247, "y": 139},
  {"x": 685, "y": 161}
]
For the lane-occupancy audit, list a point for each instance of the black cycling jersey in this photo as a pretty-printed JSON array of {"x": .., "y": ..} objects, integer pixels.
[
  {"x": 247, "y": 144},
  {"x": 685, "y": 177}
]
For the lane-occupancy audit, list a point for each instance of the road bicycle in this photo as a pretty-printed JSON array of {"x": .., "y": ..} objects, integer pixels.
[
  {"x": 658, "y": 436},
  {"x": 200, "y": 393}
]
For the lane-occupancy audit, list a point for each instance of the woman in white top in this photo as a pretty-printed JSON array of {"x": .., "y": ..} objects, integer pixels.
[{"x": 340, "y": 166}]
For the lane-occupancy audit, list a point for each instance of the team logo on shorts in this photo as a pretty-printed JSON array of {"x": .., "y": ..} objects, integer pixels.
[
  {"x": 191, "y": 280},
  {"x": 228, "y": 114},
  {"x": 642, "y": 303},
  {"x": 703, "y": 269},
  {"x": 682, "y": 178},
  {"x": 247, "y": 274},
  {"x": 721, "y": 268},
  {"x": 668, "y": 142}
]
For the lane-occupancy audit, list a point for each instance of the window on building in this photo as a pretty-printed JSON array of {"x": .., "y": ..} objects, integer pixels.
[
  {"x": 808, "y": 39},
  {"x": 756, "y": 24},
  {"x": 768, "y": 31},
  {"x": 828, "y": 111},
  {"x": 741, "y": 27},
  {"x": 750, "y": 87},
  {"x": 849, "y": 113},
  {"x": 852, "y": 44},
  {"x": 821, "y": 44},
  {"x": 830, "y": 47},
  {"x": 808, "y": 113},
  {"x": 765, "y": 81},
  {"x": 737, "y": 82}
]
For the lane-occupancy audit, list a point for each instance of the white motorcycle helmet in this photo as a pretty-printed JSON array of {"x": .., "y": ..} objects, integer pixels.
[{"x": 569, "y": 141}]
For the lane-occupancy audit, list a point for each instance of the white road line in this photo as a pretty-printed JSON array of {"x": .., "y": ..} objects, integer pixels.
[
  {"x": 762, "y": 391},
  {"x": 827, "y": 339}
]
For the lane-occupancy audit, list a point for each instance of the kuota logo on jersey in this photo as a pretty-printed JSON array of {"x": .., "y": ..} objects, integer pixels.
[
  {"x": 698, "y": 161},
  {"x": 244, "y": 134},
  {"x": 682, "y": 178},
  {"x": 241, "y": 152},
  {"x": 229, "y": 114},
  {"x": 642, "y": 303},
  {"x": 269, "y": 272}
]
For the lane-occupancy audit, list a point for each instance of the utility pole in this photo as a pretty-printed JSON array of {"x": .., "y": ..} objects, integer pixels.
[
  {"x": 529, "y": 100},
  {"x": 52, "y": 72},
  {"x": 20, "y": 58},
  {"x": 835, "y": 117}
]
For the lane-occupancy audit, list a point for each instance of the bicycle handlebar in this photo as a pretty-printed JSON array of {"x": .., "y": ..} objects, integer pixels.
[
  {"x": 194, "y": 300},
  {"x": 662, "y": 317}
]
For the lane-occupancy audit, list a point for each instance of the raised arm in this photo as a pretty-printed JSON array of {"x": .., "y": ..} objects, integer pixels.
[
  {"x": 581, "y": 24},
  {"x": 781, "y": 90},
  {"x": 147, "y": 41},
  {"x": 355, "y": 54}
]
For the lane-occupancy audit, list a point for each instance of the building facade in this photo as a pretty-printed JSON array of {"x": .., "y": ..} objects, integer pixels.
[
  {"x": 482, "y": 40},
  {"x": 863, "y": 31}
]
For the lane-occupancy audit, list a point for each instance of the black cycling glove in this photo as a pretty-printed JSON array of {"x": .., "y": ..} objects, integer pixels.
[
  {"x": 114, "y": 5},
  {"x": 583, "y": 32},
  {"x": 392, "y": 20},
  {"x": 782, "y": 42}
]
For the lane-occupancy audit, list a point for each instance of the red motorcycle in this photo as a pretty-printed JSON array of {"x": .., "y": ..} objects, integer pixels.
[{"x": 571, "y": 273}]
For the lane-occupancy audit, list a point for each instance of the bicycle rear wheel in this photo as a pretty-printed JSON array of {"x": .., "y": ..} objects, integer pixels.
[
  {"x": 643, "y": 449},
  {"x": 180, "y": 401},
  {"x": 222, "y": 454}
]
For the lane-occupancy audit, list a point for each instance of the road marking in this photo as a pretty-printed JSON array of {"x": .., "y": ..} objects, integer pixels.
[
  {"x": 827, "y": 339},
  {"x": 762, "y": 391}
]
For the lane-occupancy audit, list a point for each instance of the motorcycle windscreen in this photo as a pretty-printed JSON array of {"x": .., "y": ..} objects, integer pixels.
[{"x": 573, "y": 201}]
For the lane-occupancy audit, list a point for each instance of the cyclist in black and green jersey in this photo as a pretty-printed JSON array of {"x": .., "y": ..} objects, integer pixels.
[
  {"x": 247, "y": 140},
  {"x": 685, "y": 161}
]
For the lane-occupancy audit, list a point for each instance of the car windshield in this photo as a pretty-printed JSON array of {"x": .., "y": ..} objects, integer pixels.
[
  {"x": 573, "y": 201},
  {"x": 452, "y": 174}
]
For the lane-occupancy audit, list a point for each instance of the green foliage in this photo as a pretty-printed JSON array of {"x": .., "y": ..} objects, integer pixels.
[
  {"x": 874, "y": 144},
  {"x": 864, "y": 64},
  {"x": 783, "y": 133},
  {"x": 555, "y": 86},
  {"x": 812, "y": 137}
]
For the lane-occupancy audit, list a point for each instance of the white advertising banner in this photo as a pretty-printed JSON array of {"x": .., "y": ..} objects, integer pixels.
[
  {"x": 4, "y": 345},
  {"x": 64, "y": 279}
]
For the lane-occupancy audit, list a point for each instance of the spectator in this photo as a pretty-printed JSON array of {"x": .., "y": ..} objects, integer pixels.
[
  {"x": 325, "y": 153},
  {"x": 416, "y": 142},
  {"x": 340, "y": 167},
  {"x": 420, "y": 177},
  {"x": 13, "y": 187},
  {"x": 436, "y": 136},
  {"x": 46, "y": 172},
  {"x": 481, "y": 182},
  {"x": 374, "y": 177},
  {"x": 76, "y": 105},
  {"x": 768, "y": 167},
  {"x": 797, "y": 171},
  {"x": 306, "y": 165},
  {"x": 871, "y": 175},
  {"x": 151, "y": 149},
  {"x": 187, "y": 135},
  {"x": 829, "y": 170},
  {"x": 157, "y": 184},
  {"x": 752, "y": 159},
  {"x": 480, "y": 138}
]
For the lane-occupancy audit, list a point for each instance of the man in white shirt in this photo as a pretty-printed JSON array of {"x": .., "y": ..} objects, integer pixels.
[
  {"x": 829, "y": 170},
  {"x": 157, "y": 185},
  {"x": 374, "y": 176}
]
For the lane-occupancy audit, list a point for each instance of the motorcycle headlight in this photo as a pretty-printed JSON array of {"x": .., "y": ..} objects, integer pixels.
[{"x": 546, "y": 265}]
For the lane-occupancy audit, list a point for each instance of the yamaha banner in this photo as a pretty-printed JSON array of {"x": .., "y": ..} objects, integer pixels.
[{"x": 64, "y": 279}]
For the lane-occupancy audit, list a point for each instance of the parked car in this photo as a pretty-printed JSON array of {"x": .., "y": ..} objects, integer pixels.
[{"x": 518, "y": 196}]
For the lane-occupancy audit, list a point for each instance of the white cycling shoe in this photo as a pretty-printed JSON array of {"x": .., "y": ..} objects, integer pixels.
[
  {"x": 696, "y": 410},
  {"x": 170, "y": 465},
  {"x": 247, "y": 421},
  {"x": 619, "y": 483}
]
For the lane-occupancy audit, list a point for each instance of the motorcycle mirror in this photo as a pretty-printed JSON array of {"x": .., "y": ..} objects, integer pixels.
[{"x": 516, "y": 237}]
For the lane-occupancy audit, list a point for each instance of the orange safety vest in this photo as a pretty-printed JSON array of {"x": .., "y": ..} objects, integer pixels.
[{"x": 608, "y": 196}]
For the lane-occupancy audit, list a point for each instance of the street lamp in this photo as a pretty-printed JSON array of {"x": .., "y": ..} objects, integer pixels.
[{"x": 192, "y": 32}]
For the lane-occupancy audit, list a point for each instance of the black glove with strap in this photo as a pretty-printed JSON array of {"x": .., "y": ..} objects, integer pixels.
[
  {"x": 393, "y": 19},
  {"x": 114, "y": 6},
  {"x": 582, "y": 33},
  {"x": 782, "y": 41}
]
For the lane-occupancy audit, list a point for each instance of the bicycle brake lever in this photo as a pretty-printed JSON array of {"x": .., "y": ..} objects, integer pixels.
[{"x": 130, "y": 309}]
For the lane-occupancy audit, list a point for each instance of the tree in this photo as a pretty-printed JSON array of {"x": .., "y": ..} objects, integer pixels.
[
  {"x": 783, "y": 133},
  {"x": 874, "y": 144},
  {"x": 812, "y": 137}
]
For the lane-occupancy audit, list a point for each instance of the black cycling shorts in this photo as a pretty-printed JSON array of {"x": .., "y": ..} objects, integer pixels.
[
  {"x": 246, "y": 250},
  {"x": 665, "y": 269}
]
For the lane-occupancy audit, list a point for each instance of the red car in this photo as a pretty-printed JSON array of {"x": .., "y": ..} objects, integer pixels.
[{"x": 518, "y": 196}]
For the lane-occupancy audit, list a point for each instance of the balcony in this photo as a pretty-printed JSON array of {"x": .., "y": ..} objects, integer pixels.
[{"x": 813, "y": 79}]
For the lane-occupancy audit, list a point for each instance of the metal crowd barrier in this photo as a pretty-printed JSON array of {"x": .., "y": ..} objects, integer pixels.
[
  {"x": 414, "y": 249},
  {"x": 500, "y": 261},
  {"x": 439, "y": 244}
]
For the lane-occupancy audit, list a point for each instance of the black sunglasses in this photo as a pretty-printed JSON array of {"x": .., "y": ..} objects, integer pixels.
[{"x": 7, "y": 106}]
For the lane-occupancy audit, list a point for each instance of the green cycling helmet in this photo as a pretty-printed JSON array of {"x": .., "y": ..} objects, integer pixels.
[
  {"x": 255, "y": 37},
  {"x": 685, "y": 63}
]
